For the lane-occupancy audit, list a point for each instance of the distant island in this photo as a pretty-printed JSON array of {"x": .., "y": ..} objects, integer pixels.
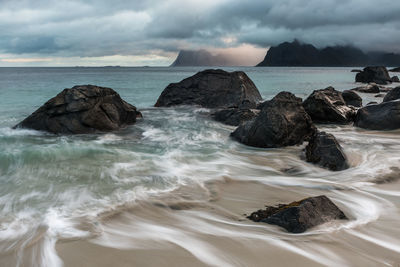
[
  {"x": 201, "y": 58},
  {"x": 307, "y": 55}
]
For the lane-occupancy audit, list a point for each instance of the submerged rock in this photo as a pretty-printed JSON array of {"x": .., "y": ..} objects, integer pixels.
[
  {"x": 375, "y": 74},
  {"x": 384, "y": 116},
  {"x": 325, "y": 151},
  {"x": 351, "y": 98},
  {"x": 82, "y": 109},
  {"x": 299, "y": 216},
  {"x": 281, "y": 122},
  {"x": 235, "y": 116},
  {"x": 328, "y": 106},
  {"x": 211, "y": 89},
  {"x": 392, "y": 94},
  {"x": 372, "y": 88}
]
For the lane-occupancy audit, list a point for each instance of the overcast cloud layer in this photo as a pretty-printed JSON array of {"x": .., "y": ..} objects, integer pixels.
[{"x": 150, "y": 32}]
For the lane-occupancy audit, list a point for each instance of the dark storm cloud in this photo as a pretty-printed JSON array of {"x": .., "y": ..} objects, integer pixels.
[{"x": 100, "y": 28}]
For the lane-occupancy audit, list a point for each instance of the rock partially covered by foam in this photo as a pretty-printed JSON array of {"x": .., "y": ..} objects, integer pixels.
[
  {"x": 82, "y": 109},
  {"x": 299, "y": 216}
]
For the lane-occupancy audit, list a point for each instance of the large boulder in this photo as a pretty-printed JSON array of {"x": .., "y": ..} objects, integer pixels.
[
  {"x": 371, "y": 88},
  {"x": 281, "y": 122},
  {"x": 235, "y": 116},
  {"x": 211, "y": 89},
  {"x": 299, "y": 216},
  {"x": 392, "y": 94},
  {"x": 375, "y": 74},
  {"x": 384, "y": 116},
  {"x": 328, "y": 106},
  {"x": 351, "y": 98},
  {"x": 82, "y": 109},
  {"x": 325, "y": 151}
]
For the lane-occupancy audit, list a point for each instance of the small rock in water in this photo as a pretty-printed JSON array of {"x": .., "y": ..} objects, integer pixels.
[
  {"x": 80, "y": 110},
  {"x": 328, "y": 106},
  {"x": 325, "y": 151},
  {"x": 375, "y": 74},
  {"x": 395, "y": 79},
  {"x": 299, "y": 216},
  {"x": 371, "y": 88},
  {"x": 395, "y": 69},
  {"x": 379, "y": 95},
  {"x": 393, "y": 94},
  {"x": 235, "y": 116},
  {"x": 351, "y": 98}
]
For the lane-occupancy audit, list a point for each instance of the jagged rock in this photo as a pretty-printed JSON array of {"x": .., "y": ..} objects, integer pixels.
[
  {"x": 372, "y": 88},
  {"x": 211, "y": 89},
  {"x": 328, "y": 106},
  {"x": 375, "y": 74},
  {"x": 281, "y": 122},
  {"x": 393, "y": 94},
  {"x": 395, "y": 79},
  {"x": 82, "y": 109},
  {"x": 235, "y": 116},
  {"x": 351, "y": 98},
  {"x": 324, "y": 150},
  {"x": 384, "y": 116},
  {"x": 299, "y": 216}
]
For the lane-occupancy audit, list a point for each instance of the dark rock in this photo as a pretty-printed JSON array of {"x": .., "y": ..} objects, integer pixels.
[
  {"x": 325, "y": 151},
  {"x": 385, "y": 89},
  {"x": 328, "y": 106},
  {"x": 351, "y": 98},
  {"x": 281, "y": 122},
  {"x": 384, "y": 116},
  {"x": 235, "y": 116},
  {"x": 355, "y": 70},
  {"x": 395, "y": 79},
  {"x": 395, "y": 69},
  {"x": 372, "y": 88},
  {"x": 372, "y": 103},
  {"x": 379, "y": 95},
  {"x": 211, "y": 89},
  {"x": 299, "y": 216},
  {"x": 392, "y": 94},
  {"x": 375, "y": 74},
  {"x": 82, "y": 109}
]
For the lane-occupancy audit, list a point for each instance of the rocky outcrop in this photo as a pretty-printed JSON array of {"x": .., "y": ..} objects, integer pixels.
[
  {"x": 384, "y": 116},
  {"x": 395, "y": 69},
  {"x": 374, "y": 74},
  {"x": 395, "y": 79},
  {"x": 82, "y": 109},
  {"x": 372, "y": 88},
  {"x": 393, "y": 94},
  {"x": 325, "y": 151},
  {"x": 328, "y": 106},
  {"x": 235, "y": 116},
  {"x": 211, "y": 89},
  {"x": 281, "y": 122},
  {"x": 299, "y": 216},
  {"x": 351, "y": 98}
]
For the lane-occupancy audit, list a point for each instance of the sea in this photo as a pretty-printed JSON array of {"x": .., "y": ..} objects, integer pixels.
[{"x": 174, "y": 189}]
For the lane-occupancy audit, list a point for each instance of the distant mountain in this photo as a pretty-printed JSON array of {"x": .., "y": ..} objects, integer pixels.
[
  {"x": 299, "y": 54},
  {"x": 200, "y": 58}
]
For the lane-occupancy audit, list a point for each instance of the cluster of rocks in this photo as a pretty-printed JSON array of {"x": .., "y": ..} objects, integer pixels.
[{"x": 285, "y": 120}]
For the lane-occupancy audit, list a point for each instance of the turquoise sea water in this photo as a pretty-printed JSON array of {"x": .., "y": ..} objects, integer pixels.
[{"x": 48, "y": 180}]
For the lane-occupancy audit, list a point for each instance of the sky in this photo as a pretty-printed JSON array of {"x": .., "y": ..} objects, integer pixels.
[{"x": 151, "y": 32}]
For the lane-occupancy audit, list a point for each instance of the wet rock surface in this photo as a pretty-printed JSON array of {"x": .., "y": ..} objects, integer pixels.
[
  {"x": 384, "y": 116},
  {"x": 375, "y": 74},
  {"x": 328, "y": 106},
  {"x": 324, "y": 150},
  {"x": 351, "y": 98},
  {"x": 211, "y": 89},
  {"x": 282, "y": 121},
  {"x": 82, "y": 109},
  {"x": 393, "y": 94},
  {"x": 235, "y": 116},
  {"x": 299, "y": 216}
]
